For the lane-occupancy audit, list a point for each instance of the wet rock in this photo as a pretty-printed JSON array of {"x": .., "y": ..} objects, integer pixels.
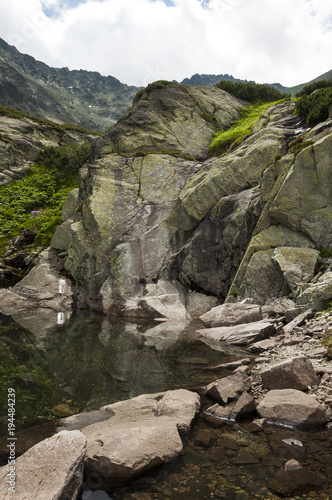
[
  {"x": 243, "y": 459},
  {"x": 292, "y": 408},
  {"x": 294, "y": 373},
  {"x": 241, "y": 334},
  {"x": 51, "y": 469},
  {"x": 140, "y": 434},
  {"x": 229, "y": 388},
  {"x": 232, "y": 314},
  {"x": 292, "y": 476}
]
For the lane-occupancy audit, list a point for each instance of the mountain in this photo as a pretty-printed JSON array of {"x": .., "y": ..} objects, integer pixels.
[
  {"x": 85, "y": 98},
  {"x": 209, "y": 80}
]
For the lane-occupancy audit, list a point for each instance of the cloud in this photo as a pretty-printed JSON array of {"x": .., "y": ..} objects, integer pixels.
[{"x": 139, "y": 41}]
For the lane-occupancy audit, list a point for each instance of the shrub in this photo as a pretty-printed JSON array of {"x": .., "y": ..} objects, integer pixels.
[
  {"x": 252, "y": 92},
  {"x": 315, "y": 107},
  {"x": 45, "y": 188}
]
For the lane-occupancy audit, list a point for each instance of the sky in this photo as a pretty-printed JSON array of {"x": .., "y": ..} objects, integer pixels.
[{"x": 140, "y": 41}]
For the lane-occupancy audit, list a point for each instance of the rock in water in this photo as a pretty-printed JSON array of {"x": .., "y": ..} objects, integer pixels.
[
  {"x": 294, "y": 373},
  {"x": 292, "y": 476},
  {"x": 52, "y": 469},
  {"x": 140, "y": 434},
  {"x": 292, "y": 408}
]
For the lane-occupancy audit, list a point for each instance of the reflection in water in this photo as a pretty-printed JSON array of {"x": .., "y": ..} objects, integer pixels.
[{"x": 62, "y": 365}]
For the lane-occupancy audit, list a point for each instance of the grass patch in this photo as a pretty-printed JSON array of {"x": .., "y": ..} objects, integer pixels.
[
  {"x": 236, "y": 134},
  {"x": 44, "y": 189}
]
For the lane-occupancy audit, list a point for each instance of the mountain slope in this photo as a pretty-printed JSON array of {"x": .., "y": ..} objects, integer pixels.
[{"x": 85, "y": 98}]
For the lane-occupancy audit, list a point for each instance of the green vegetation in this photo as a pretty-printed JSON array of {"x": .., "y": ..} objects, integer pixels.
[
  {"x": 251, "y": 92},
  {"x": 311, "y": 87},
  {"x": 15, "y": 113},
  {"x": 159, "y": 84},
  {"x": 44, "y": 189},
  {"x": 236, "y": 134},
  {"x": 298, "y": 145},
  {"x": 314, "y": 102}
]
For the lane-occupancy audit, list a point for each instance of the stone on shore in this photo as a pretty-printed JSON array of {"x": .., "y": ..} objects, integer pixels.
[
  {"x": 232, "y": 314},
  {"x": 292, "y": 408},
  {"x": 243, "y": 335},
  {"x": 140, "y": 434},
  {"x": 294, "y": 373},
  {"x": 229, "y": 388},
  {"x": 50, "y": 470}
]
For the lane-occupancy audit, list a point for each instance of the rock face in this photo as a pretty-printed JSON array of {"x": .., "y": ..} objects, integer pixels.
[
  {"x": 295, "y": 219},
  {"x": 232, "y": 314},
  {"x": 50, "y": 470},
  {"x": 292, "y": 408},
  {"x": 149, "y": 217},
  {"x": 139, "y": 434},
  {"x": 295, "y": 373}
]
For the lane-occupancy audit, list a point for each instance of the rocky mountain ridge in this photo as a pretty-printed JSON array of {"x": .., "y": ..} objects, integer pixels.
[{"x": 81, "y": 97}]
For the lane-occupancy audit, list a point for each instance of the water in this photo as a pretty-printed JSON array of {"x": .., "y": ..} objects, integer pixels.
[{"x": 60, "y": 366}]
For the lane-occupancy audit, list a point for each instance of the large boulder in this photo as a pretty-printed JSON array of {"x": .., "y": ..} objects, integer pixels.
[
  {"x": 232, "y": 314},
  {"x": 242, "y": 335},
  {"x": 294, "y": 373},
  {"x": 140, "y": 434},
  {"x": 173, "y": 117},
  {"x": 292, "y": 408},
  {"x": 50, "y": 470},
  {"x": 44, "y": 286}
]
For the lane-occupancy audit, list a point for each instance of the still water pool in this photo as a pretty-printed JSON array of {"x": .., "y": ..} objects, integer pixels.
[{"x": 68, "y": 364}]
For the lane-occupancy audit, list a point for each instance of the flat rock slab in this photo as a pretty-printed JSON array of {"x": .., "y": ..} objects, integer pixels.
[
  {"x": 232, "y": 314},
  {"x": 262, "y": 345},
  {"x": 294, "y": 373},
  {"x": 292, "y": 408},
  {"x": 244, "y": 334},
  {"x": 141, "y": 433},
  {"x": 50, "y": 470}
]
